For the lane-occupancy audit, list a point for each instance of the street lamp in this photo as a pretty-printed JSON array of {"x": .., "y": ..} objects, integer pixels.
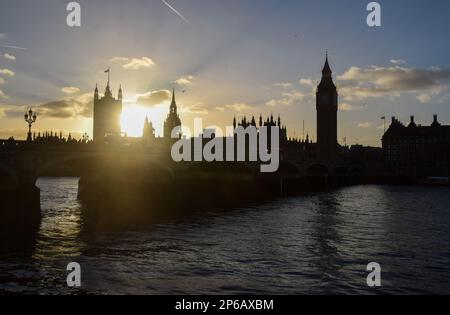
[{"x": 30, "y": 118}]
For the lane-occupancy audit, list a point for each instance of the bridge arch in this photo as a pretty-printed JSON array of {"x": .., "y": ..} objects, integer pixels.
[
  {"x": 317, "y": 170},
  {"x": 288, "y": 169}
]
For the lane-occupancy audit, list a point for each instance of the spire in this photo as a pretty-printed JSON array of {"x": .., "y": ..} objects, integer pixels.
[
  {"x": 326, "y": 72},
  {"x": 96, "y": 92},
  {"x": 173, "y": 105},
  {"x": 120, "y": 93},
  {"x": 108, "y": 89}
]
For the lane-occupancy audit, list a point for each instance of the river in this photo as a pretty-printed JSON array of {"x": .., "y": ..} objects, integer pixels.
[{"x": 318, "y": 243}]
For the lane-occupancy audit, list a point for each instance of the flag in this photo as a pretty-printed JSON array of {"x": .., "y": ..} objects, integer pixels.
[
  {"x": 108, "y": 70},
  {"x": 383, "y": 118}
]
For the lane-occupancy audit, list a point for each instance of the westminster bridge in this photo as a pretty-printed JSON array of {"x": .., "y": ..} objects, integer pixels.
[{"x": 136, "y": 176}]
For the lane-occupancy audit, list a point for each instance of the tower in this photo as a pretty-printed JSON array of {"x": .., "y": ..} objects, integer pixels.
[
  {"x": 148, "y": 134},
  {"x": 107, "y": 112},
  {"x": 327, "y": 109},
  {"x": 173, "y": 119}
]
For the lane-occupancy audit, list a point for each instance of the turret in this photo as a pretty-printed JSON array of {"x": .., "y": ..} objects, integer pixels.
[
  {"x": 120, "y": 93},
  {"x": 96, "y": 92},
  {"x": 412, "y": 124},
  {"x": 435, "y": 121}
]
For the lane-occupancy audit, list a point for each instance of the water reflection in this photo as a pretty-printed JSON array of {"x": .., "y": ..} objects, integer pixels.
[{"x": 317, "y": 243}]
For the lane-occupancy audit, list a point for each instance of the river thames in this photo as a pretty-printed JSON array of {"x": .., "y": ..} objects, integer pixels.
[{"x": 317, "y": 243}]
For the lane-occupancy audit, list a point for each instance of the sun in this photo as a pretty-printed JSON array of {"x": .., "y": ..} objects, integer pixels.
[{"x": 133, "y": 117}]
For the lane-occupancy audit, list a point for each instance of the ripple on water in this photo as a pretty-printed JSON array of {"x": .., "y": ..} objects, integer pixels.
[{"x": 317, "y": 243}]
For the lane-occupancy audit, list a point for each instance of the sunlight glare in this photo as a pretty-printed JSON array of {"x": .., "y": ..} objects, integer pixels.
[{"x": 133, "y": 117}]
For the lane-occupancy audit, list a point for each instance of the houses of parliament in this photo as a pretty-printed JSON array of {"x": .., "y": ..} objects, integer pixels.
[{"x": 108, "y": 109}]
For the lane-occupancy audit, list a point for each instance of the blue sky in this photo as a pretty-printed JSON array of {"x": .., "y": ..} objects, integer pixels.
[{"x": 233, "y": 57}]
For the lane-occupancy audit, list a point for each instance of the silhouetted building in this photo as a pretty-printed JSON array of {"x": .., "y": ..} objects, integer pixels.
[
  {"x": 107, "y": 112},
  {"x": 269, "y": 122},
  {"x": 417, "y": 150},
  {"x": 173, "y": 119},
  {"x": 327, "y": 108},
  {"x": 148, "y": 135}
]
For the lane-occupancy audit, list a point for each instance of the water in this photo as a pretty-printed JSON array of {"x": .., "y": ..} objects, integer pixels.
[{"x": 314, "y": 244}]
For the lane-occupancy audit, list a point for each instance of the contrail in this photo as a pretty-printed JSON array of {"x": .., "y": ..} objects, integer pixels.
[
  {"x": 13, "y": 47},
  {"x": 176, "y": 12}
]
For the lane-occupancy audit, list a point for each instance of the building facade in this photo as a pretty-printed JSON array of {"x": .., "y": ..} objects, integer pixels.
[
  {"x": 417, "y": 150},
  {"x": 107, "y": 113}
]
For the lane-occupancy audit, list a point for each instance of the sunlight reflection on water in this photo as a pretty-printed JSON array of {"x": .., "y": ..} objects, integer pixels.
[{"x": 317, "y": 243}]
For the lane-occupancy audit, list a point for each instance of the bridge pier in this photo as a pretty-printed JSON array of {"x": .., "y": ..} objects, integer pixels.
[{"x": 20, "y": 208}]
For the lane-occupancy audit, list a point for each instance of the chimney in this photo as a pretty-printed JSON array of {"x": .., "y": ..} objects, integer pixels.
[
  {"x": 412, "y": 119},
  {"x": 435, "y": 119},
  {"x": 393, "y": 119}
]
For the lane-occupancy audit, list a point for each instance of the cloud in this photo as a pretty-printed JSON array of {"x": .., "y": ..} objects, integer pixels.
[
  {"x": 185, "y": 80},
  {"x": 2, "y": 94},
  {"x": 154, "y": 97},
  {"x": 307, "y": 82},
  {"x": 397, "y": 61},
  {"x": 68, "y": 107},
  {"x": 288, "y": 98},
  {"x": 8, "y": 56},
  {"x": 134, "y": 63},
  {"x": 7, "y": 72},
  {"x": 238, "y": 107},
  {"x": 119, "y": 59},
  {"x": 345, "y": 107},
  {"x": 2, "y": 81},
  {"x": 197, "y": 109},
  {"x": 424, "y": 98},
  {"x": 365, "y": 125},
  {"x": 283, "y": 85},
  {"x": 70, "y": 90},
  {"x": 2, "y": 36},
  {"x": 391, "y": 81}
]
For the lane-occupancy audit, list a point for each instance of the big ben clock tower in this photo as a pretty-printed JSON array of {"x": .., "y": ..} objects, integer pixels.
[{"x": 327, "y": 109}]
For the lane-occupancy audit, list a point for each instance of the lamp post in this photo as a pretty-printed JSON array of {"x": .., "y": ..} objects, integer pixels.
[{"x": 30, "y": 118}]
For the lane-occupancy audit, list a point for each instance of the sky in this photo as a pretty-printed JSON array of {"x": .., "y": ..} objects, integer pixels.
[{"x": 224, "y": 58}]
